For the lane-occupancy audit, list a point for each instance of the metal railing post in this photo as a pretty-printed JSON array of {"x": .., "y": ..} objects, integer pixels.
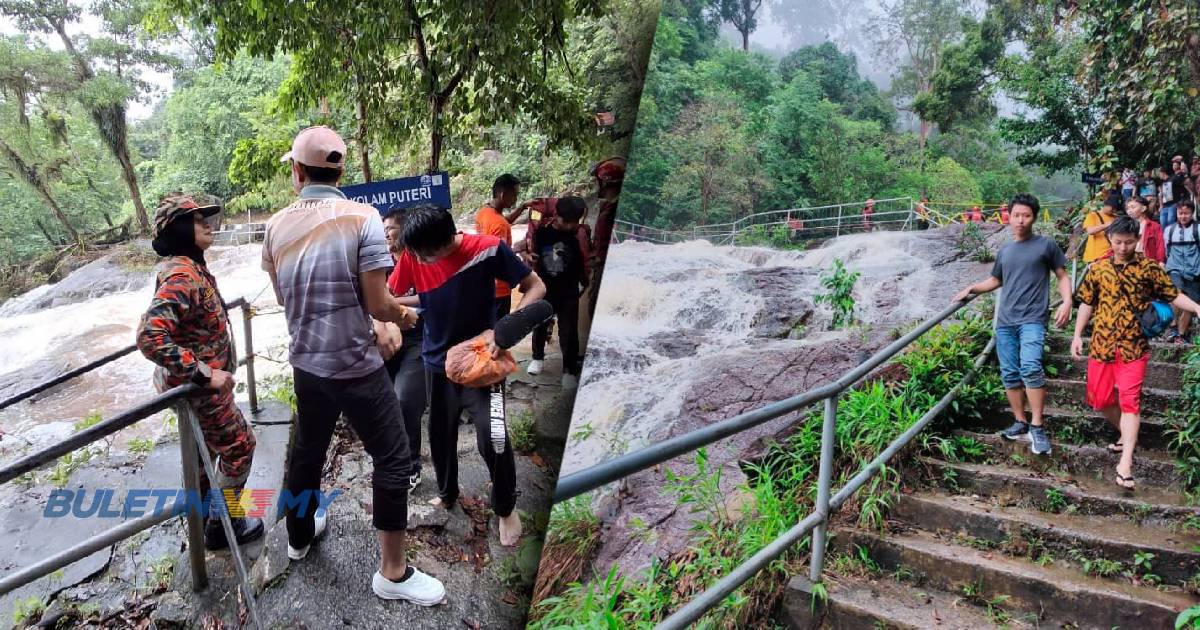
[
  {"x": 838, "y": 229},
  {"x": 824, "y": 480},
  {"x": 251, "y": 387},
  {"x": 189, "y": 453}
]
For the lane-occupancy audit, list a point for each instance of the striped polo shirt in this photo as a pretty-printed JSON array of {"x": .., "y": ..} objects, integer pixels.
[{"x": 317, "y": 247}]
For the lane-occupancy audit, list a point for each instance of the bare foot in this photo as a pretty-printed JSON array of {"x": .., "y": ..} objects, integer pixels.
[
  {"x": 510, "y": 529},
  {"x": 437, "y": 502}
]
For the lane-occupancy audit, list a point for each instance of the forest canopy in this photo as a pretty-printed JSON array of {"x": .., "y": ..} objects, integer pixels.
[{"x": 78, "y": 168}]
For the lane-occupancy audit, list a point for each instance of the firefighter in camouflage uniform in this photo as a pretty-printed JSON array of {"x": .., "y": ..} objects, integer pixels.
[{"x": 186, "y": 333}]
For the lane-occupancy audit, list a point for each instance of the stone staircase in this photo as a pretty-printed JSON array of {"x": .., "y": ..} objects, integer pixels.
[{"x": 995, "y": 536}]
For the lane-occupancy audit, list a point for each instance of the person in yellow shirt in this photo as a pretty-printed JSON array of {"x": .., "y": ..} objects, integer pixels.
[{"x": 1094, "y": 225}]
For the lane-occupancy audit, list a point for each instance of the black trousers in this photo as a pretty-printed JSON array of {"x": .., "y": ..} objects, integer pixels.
[
  {"x": 566, "y": 310},
  {"x": 371, "y": 408},
  {"x": 407, "y": 372},
  {"x": 503, "y": 306},
  {"x": 485, "y": 406}
]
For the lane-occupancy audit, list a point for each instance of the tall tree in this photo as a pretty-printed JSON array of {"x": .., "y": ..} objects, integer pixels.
[
  {"x": 717, "y": 169},
  {"x": 1141, "y": 67},
  {"x": 107, "y": 68},
  {"x": 743, "y": 15},
  {"x": 444, "y": 68},
  {"x": 28, "y": 70},
  {"x": 916, "y": 32}
]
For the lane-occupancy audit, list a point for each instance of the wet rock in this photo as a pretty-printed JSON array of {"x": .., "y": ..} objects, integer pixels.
[
  {"x": 421, "y": 514},
  {"x": 642, "y": 520},
  {"x": 172, "y": 612},
  {"x": 785, "y": 310},
  {"x": 676, "y": 345},
  {"x": 272, "y": 564},
  {"x": 97, "y": 278}
]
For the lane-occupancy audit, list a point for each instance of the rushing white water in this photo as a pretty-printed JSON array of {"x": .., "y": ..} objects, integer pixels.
[
  {"x": 74, "y": 334},
  {"x": 696, "y": 290}
]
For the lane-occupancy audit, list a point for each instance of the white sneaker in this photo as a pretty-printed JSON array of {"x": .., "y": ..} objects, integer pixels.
[
  {"x": 535, "y": 367},
  {"x": 569, "y": 381},
  {"x": 420, "y": 588},
  {"x": 319, "y": 529}
]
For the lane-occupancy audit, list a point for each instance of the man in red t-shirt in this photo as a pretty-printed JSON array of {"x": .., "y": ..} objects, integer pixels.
[{"x": 491, "y": 221}]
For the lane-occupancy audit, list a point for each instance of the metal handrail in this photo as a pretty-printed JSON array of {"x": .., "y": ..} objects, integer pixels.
[
  {"x": 591, "y": 478},
  {"x": 192, "y": 459},
  {"x": 620, "y": 467}
]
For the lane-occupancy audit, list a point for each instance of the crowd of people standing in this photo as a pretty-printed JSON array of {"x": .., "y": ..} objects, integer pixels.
[
  {"x": 1116, "y": 292},
  {"x": 373, "y": 305}
]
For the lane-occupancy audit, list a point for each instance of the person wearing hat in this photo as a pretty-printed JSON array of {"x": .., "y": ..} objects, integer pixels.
[
  {"x": 609, "y": 175},
  {"x": 328, "y": 260},
  {"x": 185, "y": 332}
]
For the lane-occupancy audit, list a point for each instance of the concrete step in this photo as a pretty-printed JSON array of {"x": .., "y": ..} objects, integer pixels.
[
  {"x": 1159, "y": 374},
  {"x": 1087, "y": 495},
  {"x": 1032, "y": 533},
  {"x": 1159, "y": 350},
  {"x": 1064, "y": 392},
  {"x": 1083, "y": 426},
  {"x": 1056, "y": 595},
  {"x": 1150, "y": 467},
  {"x": 855, "y": 603}
]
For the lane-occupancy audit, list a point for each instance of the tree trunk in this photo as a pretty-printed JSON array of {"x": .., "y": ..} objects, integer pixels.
[
  {"x": 46, "y": 233},
  {"x": 110, "y": 121},
  {"x": 435, "y": 132},
  {"x": 131, "y": 182},
  {"x": 746, "y": 40},
  {"x": 29, "y": 174},
  {"x": 363, "y": 152}
]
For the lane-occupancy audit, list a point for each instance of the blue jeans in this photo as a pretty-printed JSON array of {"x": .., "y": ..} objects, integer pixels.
[
  {"x": 1166, "y": 216},
  {"x": 1019, "y": 349}
]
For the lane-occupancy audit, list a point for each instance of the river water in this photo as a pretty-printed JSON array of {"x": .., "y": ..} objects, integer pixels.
[
  {"x": 40, "y": 343},
  {"x": 631, "y": 392}
]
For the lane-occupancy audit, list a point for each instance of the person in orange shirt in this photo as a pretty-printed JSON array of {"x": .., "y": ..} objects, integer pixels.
[{"x": 492, "y": 221}]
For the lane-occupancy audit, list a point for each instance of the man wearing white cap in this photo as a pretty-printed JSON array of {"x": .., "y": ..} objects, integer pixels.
[{"x": 328, "y": 260}]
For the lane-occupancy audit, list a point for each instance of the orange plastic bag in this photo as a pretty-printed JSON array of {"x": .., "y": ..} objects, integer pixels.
[{"x": 470, "y": 363}]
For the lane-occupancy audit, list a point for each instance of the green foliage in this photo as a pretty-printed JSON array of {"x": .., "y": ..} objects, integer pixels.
[
  {"x": 1055, "y": 500},
  {"x": 161, "y": 572},
  {"x": 90, "y": 420},
  {"x": 1188, "y": 619},
  {"x": 810, "y": 131},
  {"x": 141, "y": 445},
  {"x": 1183, "y": 419},
  {"x": 573, "y": 525},
  {"x": 776, "y": 236},
  {"x": 67, "y": 465},
  {"x": 522, "y": 432},
  {"x": 418, "y": 67},
  {"x": 839, "y": 293},
  {"x": 949, "y": 182},
  {"x": 782, "y": 490},
  {"x": 973, "y": 244},
  {"x": 28, "y": 610},
  {"x": 280, "y": 388}
]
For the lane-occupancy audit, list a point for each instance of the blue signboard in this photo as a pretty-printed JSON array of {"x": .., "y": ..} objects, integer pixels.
[{"x": 404, "y": 192}]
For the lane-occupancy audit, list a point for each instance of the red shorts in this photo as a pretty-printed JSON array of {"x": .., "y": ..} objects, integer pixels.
[{"x": 1116, "y": 382}]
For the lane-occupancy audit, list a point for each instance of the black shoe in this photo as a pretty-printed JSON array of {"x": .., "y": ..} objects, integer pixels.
[{"x": 244, "y": 529}]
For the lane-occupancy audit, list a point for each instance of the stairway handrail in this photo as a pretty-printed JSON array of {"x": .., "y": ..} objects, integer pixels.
[
  {"x": 627, "y": 464},
  {"x": 193, "y": 460}
]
